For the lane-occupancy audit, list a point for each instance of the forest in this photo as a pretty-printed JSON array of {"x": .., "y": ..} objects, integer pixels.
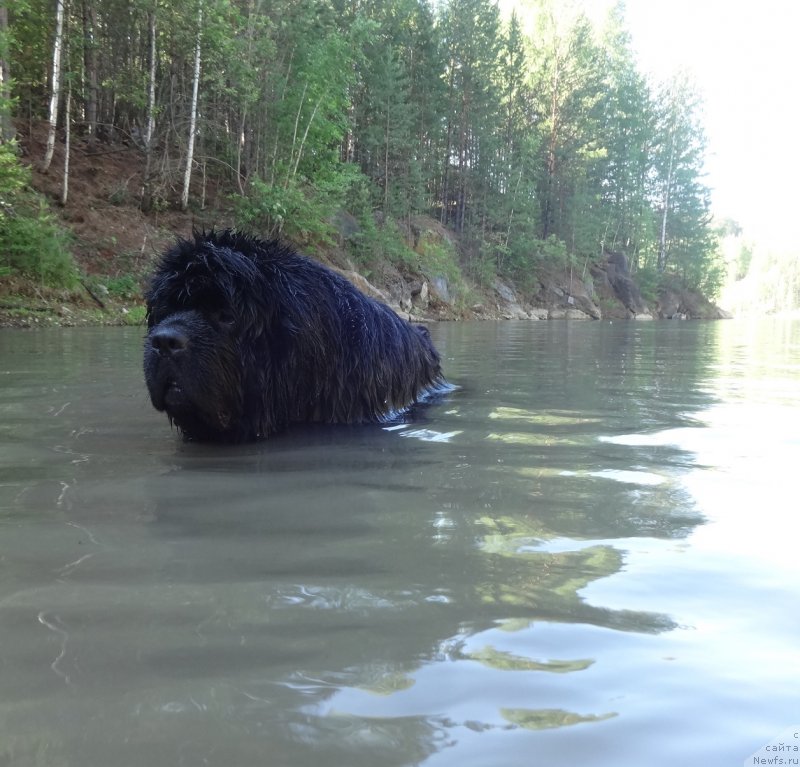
[{"x": 534, "y": 138}]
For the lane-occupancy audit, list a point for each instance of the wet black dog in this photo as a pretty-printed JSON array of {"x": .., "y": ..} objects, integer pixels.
[{"x": 246, "y": 337}]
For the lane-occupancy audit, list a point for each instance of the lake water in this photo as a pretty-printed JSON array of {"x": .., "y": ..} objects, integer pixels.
[{"x": 587, "y": 555}]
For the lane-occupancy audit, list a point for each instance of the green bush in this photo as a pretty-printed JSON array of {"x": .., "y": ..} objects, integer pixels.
[
  {"x": 31, "y": 242},
  {"x": 136, "y": 316},
  {"x": 438, "y": 258},
  {"x": 553, "y": 252},
  {"x": 649, "y": 280},
  {"x": 374, "y": 244},
  {"x": 125, "y": 287},
  {"x": 298, "y": 210}
]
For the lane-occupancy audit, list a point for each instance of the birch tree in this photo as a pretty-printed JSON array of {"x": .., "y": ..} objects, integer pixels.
[
  {"x": 187, "y": 176},
  {"x": 90, "y": 69},
  {"x": 147, "y": 188},
  {"x": 55, "y": 87},
  {"x": 67, "y": 131}
]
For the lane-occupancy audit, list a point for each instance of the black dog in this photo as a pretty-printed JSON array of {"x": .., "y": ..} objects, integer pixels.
[{"x": 246, "y": 337}]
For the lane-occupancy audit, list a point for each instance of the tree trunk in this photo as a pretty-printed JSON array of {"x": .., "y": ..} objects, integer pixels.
[
  {"x": 241, "y": 139},
  {"x": 55, "y": 92},
  {"x": 386, "y": 155},
  {"x": 90, "y": 66},
  {"x": 147, "y": 189},
  {"x": 187, "y": 177},
  {"x": 67, "y": 131},
  {"x": 6, "y": 128},
  {"x": 548, "y": 217},
  {"x": 445, "y": 212},
  {"x": 303, "y": 142},
  {"x": 662, "y": 243},
  {"x": 151, "y": 89}
]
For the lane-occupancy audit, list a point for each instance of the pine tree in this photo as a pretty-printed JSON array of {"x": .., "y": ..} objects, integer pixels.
[
  {"x": 471, "y": 45},
  {"x": 567, "y": 81},
  {"x": 627, "y": 129},
  {"x": 687, "y": 244}
]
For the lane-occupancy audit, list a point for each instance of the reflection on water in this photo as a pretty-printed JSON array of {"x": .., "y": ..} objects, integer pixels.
[{"x": 584, "y": 555}]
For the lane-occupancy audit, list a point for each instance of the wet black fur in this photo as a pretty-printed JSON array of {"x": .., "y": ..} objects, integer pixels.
[{"x": 246, "y": 337}]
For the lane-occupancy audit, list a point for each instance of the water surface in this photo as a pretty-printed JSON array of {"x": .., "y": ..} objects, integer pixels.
[{"x": 587, "y": 555}]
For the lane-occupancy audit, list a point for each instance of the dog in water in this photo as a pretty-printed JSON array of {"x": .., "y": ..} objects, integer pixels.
[{"x": 246, "y": 337}]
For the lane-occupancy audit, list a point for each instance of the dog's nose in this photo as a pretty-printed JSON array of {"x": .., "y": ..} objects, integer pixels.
[{"x": 168, "y": 341}]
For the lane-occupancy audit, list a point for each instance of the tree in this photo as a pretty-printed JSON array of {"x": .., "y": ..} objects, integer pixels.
[
  {"x": 67, "y": 129},
  {"x": 90, "y": 67},
  {"x": 150, "y": 125},
  {"x": 627, "y": 127},
  {"x": 187, "y": 176},
  {"x": 687, "y": 243},
  {"x": 516, "y": 166},
  {"x": 471, "y": 44},
  {"x": 539, "y": 145},
  {"x": 567, "y": 80},
  {"x": 55, "y": 86},
  {"x": 6, "y": 128}
]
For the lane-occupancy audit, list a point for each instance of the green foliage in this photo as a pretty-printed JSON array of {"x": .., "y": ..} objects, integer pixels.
[
  {"x": 31, "y": 242},
  {"x": 482, "y": 266},
  {"x": 649, "y": 280},
  {"x": 136, "y": 315},
  {"x": 300, "y": 213},
  {"x": 375, "y": 243},
  {"x": 13, "y": 179},
  {"x": 539, "y": 144},
  {"x": 552, "y": 252},
  {"x": 438, "y": 258},
  {"x": 743, "y": 260},
  {"x": 125, "y": 286}
]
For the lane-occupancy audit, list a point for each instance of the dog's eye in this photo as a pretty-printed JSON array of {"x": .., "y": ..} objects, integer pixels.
[{"x": 224, "y": 318}]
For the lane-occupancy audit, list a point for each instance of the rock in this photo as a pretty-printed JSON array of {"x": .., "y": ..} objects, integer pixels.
[
  {"x": 564, "y": 291},
  {"x": 576, "y": 314},
  {"x": 365, "y": 286},
  {"x": 579, "y": 298},
  {"x": 559, "y": 313},
  {"x": 677, "y": 302},
  {"x": 538, "y": 313},
  {"x": 441, "y": 288},
  {"x": 508, "y": 304},
  {"x": 515, "y": 313},
  {"x": 619, "y": 278},
  {"x": 420, "y": 294},
  {"x": 505, "y": 292},
  {"x": 668, "y": 306}
]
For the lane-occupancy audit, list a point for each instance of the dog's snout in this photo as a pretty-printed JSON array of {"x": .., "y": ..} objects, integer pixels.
[{"x": 168, "y": 341}]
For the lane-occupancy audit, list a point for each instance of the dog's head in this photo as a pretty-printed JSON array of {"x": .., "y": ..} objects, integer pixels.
[{"x": 208, "y": 317}]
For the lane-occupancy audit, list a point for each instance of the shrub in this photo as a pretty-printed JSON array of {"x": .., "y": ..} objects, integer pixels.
[{"x": 31, "y": 241}]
